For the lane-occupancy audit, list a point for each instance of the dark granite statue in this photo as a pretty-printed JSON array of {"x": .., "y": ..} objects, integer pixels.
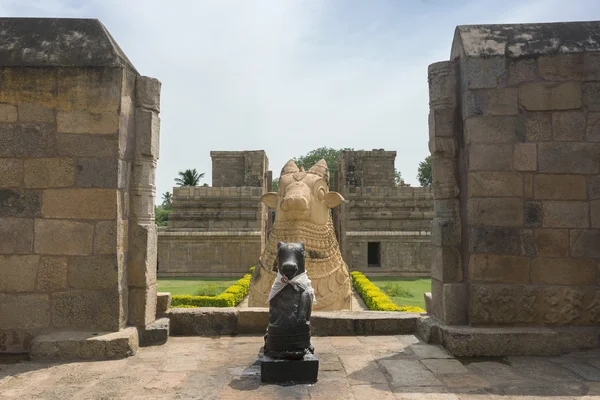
[{"x": 291, "y": 299}]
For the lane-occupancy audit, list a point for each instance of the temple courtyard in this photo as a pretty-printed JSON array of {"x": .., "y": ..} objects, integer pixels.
[{"x": 372, "y": 367}]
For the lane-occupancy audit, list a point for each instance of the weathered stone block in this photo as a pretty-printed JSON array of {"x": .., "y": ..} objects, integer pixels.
[
  {"x": 111, "y": 237},
  {"x": 562, "y": 67},
  {"x": 525, "y": 157},
  {"x": 93, "y": 272},
  {"x": 495, "y": 184},
  {"x": 443, "y": 171},
  {"x": 482, "y": 73},
  {"x": 252, "y": 320},
  {"x": 499, "y": 269},
  {"x": 28, "y": 85},
  {"x": 592, "y": 130},
  {"x": 566, "y": 214},
  {"x": 521, "y": 70},
  {"x": 202, "y": 321},
  {"x": 84, "y": 309},
  {"x": 147, "y": 92},
  {"x": 86, "y": 145},
  {"x": 495, "y": 212},
  {"x": 594, "y": 187},
  {"x": 591, "y": 95},
  {"x": 24, "y": 311},
  {"x": 8, "y": 113},
  {"x": 552, "y": 242},
  {"x": 49, "y": 172},
  {"x": 106, "y": 123},
  {"x": 533, "y": 213},
  {"x": 98, "y": 172},
  {"x": 595, "y": 213},
  {"x": 538, "y": 127},
  {"x": 446, "y": 264},
  {"x": 491, "y": 157},
  {"x": 501, "y": 240},
  {"x": 528, "y": 185},
  {"x": 52, "y": 274},
  {"x": 75, "y": 237},
  {"x": 11, "y": 172},
  {"x": 142, "y": 255},
  {"x": 35, "y": 112},
  {"x": 442, "y": 79},
  {"x": 96, "y": 90},
  {"x": 20, "y": 203},
  {"x": 560, "y": 187},
  {"x": 16, "y": 236},
  {"x": 542, "y": 96},
  {"x": 444, "y": 146},
  {"x": 18, "y": 273},
  {"x": 142, "y": 305},
  {"x": 568, "y": 126},
  {"x": 569, "y": 158},
  {"x": 445, "y": 232},
  {"x": 584, "y": 243},
  {"x": 163, "y": 302},
  {"x": 499, "y": 101},
  {"x": 454, "y": 304},
  {"x": 147, "y": 131},
  {"x": 492, "y": 129},
  {"x": 80, "y": 203},
  {"x": 85, "y": 345},
  {"x": 441, "y": 122},
  {"x": 563, "y": 271},
  {"x": 155, "y": 333},
  {"x": 24, "y": 140}
]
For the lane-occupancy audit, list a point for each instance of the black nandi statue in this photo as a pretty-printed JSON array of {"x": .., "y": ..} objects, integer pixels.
[{"x": 288, "y": 334}]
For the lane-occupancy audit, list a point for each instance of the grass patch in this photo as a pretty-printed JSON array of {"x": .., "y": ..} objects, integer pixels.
[
  {"x": 403, "y": 291},
  {"x": 195, "y": 286}
]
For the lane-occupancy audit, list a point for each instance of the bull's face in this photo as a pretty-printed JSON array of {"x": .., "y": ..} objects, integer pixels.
[{"x": 303, "y": 196}]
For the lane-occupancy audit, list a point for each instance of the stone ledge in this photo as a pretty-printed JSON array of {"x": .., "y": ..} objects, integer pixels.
[
  {"x": 207, "y": 321},
  {"x": 163, "y": 302},
  {"x": 155, "y": 333},
  {"x": 82, "y": 345},
  {"x": 466, "y": 341}
]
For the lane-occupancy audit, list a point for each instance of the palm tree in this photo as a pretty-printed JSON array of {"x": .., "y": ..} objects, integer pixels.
[
  {"x": 189, "y": 177},
  {"x": 167, "y": 199}
]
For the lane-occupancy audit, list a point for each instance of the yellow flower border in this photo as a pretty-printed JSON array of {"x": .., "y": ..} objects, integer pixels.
[
  {"x": 374, "y": 298},
  {"x": 231, "y": 297}
]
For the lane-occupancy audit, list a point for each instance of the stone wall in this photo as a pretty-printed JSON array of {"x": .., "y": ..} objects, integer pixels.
[
  {"x": 516, "y": 157},
  {"x": 79, "y": 134},
  {"x": 394, "y": 219},
  {"x": 218, "y": 231}
]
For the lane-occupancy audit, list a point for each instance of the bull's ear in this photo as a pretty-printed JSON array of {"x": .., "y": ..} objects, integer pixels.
[
  {"x": 333, "y": 199},
  {"x": 270, "y": 199}
]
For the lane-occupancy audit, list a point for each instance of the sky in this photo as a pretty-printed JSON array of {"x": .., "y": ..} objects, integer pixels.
[{"x": 289, "y": 76}]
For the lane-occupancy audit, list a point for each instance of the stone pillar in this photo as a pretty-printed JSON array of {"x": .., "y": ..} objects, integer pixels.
[
  {"x": 449, "y": 291},
  {"x": 142, "y": 228}
]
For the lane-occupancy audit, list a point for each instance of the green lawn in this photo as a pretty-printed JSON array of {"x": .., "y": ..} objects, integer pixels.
[
  {"x": 403, "y": 291},
  {"x": 195, "y": 285}
]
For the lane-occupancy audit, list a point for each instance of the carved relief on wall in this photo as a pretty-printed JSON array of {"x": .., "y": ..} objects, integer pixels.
[{"x": 534, "y": 305}]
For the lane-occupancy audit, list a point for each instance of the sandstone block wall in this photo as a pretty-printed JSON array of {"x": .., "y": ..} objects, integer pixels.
[
  {"x": 76, "y": 181},
  {"x": 396, "y": 218},
  {"x": 516, "y": 166},
  {"x": 219, "y": 230}
]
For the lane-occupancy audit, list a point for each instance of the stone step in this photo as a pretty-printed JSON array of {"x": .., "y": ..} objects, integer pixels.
[
  {"x": 208, "y": 321},
  {"x": 155, "y": 333},
  {"x": 84, "y": 345}
]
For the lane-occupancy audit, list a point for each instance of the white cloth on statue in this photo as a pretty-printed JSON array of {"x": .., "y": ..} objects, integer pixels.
[{"x": 300, "y": 280}]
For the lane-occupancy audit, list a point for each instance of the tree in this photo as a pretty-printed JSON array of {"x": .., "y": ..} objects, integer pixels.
[
  {"x": 167, "y": 200},
  {"x": 189, "y": 177},
  {"x": 161, "y": 215},
  {"x": 275, "y": 185},
  {"x": 398, "y": 178},
  {"x": 330, "y": 155},
  {"x": 424, "y": 172}
]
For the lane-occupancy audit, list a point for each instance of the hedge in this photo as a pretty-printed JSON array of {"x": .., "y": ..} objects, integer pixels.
[
  {"x": 231, "y": 297},
  {"x": 374, "y": 298}
]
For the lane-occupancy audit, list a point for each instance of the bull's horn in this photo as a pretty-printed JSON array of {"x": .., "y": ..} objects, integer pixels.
[
  {"x": 289, "y": 168},
  {"x": 320, "y": 169}
]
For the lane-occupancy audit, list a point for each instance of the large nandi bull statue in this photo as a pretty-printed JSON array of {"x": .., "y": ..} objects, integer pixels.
[{"x": 303, "y": 214}]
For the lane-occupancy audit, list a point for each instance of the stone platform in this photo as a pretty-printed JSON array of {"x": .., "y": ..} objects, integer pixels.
[{"x": 371, "y": 368}]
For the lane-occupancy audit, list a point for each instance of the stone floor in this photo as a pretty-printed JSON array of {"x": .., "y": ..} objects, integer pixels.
[{"x": 371, "y": 368}]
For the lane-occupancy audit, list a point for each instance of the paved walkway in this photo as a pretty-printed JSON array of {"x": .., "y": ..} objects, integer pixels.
[{"x": 371, "y": 368}]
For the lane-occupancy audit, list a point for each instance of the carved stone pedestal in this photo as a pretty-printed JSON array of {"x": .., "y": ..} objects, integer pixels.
[{"x": 289, "y": 371}]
